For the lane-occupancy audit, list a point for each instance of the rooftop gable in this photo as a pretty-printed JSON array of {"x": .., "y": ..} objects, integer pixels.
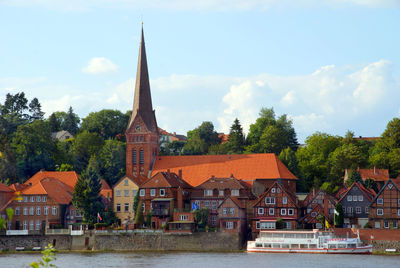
[
  {"x": 165, "y": 179},
  {"x": 67, "y": 177},
  {"x": 368, "y": 193},
  {"x": 5, "y": 188},
  {"x": 196, "y": 169},
  {"x": 234, "y": 200},
  {"x": 383, "y": 188},
  {"x": 289, "y": 195},
  {"x": 221, "y": 184}
]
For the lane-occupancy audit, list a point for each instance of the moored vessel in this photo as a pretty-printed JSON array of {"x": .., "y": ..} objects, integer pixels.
[{"x": 306, "y": 241}]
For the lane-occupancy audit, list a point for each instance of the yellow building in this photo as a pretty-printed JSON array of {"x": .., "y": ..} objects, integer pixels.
[{"x": 124, "y": 192}]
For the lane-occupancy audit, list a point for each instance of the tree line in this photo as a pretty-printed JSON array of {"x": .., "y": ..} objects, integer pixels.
[{"x": 27, "y": 145}]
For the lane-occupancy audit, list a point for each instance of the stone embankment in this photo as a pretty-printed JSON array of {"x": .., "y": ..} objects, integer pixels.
[{"x": 134, "y": 241}]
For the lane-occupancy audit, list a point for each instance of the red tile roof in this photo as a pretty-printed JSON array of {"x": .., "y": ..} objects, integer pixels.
[
  {"x": 368, "y": 193},
  {"x": 221, "y": 184},
  {"x": 165, "y": 179},
  {"x": 67, "y": 177},
  {"x": 248, "y": 167},
  {"x": 54, "y": 188},
  {"x": 5, "y": 188}
]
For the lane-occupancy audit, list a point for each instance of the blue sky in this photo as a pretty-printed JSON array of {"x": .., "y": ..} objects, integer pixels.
[{"x": 332, "y": 66}]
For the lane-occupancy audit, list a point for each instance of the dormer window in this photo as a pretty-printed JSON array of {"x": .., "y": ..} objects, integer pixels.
[
  {"x": 208, "y": 192},
  {"x": 221, "y": 192},
  {"x": 235, "y": 192},
  {"x": 126, "y": 182}
]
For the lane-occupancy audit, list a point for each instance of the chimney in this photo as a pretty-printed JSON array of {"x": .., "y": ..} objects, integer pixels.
[
  {"x": 232, "y": 176},
  {"x": 358, "y": 168},
  {"x": 313, "y": 191},
  {"x": 326, "y": 205},
  {"x": 180, "y": 174},
  {"x": 375, "y": 173},
  {"x": 179, "y": 198}
]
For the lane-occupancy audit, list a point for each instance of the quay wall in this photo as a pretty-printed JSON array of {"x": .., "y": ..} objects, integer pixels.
[{"x": 128, "y": 242}]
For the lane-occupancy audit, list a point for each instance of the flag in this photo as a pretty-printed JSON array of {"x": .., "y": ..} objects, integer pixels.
[
  {"x": 336, "y": 212},
  {"x": 327, "y": 225},
  {"x": 194, "y": 206},
  {"x": 99, "y": 217}
]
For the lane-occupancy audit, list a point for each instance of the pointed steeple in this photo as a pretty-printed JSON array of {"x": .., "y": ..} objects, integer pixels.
[{"x": 142, "y": 101}]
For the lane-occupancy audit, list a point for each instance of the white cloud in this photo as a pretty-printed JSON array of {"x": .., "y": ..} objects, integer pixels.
[
  {"x": 204, "y": 5},
  {"x": 100, "y": 65}
]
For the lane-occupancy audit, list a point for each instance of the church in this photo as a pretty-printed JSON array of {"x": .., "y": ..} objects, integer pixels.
[{"x": 166, "y": 183}]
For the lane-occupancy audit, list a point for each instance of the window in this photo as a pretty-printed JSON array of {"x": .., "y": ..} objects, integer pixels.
[
  {"x": 142, "y": 192},
  {"x": 126, "y": 182},
  {"x": 284, "y": 200},
  {"x": 162, "y": 192},
  {"x": 143, "y": 207},
  {"x": 118, "y": 193},
  {"x": 290, "y": 211},
  {"x": 31, "y": 223},
  {"x": 377, "y": 225},
  {"x": 17, "y": 211},
  {"x": 379, "y": 211},
  {"x": 278, "y": 190},
  {"x": 25, "y": 199},
  {"x": 390, "y": 186},
  {"x": 367, "y": 210},
  {"x": 32, "y": 198},
  {"x": 134, "y": 193},
  {"x": 358, "y": 210},
  {"x": 398, "y": 201},
  {"x": 152, "y": 192},
  {"x": 313, "y": 214},
  {"x": 224, "y": 211},
  {"x": 235, "y": 192},
  {"x": 232, "y": 211},
  {"x": 221, "y": 193},
  {"x": 260, "y": 211},
  {"x": 258, "y": 225},
  {"x": 349, "y": 210},
  {"x": 360, "y": 198},
  {"x": 44, "y": 198},
  {"x": 398, "y": 212},
  {"x": 31, "y": 211},
  {"x": 214, "y": 204},
  {"x": 386, "y": 224},
  {"x": 354, "y": 198},
  {"x": 38, "y": 210},
  {"x": 134, "y": 157},
  {"x": 394, "y": 224},
  {"x": 331, "y": 211},
  {"x": 273, "y": 190},
  {"x": 379, "y": 201},
  {"x": 141, "y": 157},
  {"x": 126, "y": 193},
  {"x": 229, "y": 225},
  {"x": 349, "y": 198},
  {"x": 283, "y": 211},
  {"x": 183, "y": 217},
  {"x": 78, "y": 213},
  {"x": 267, "y": 225},
  {"x": 270, "y": 200},
  {"x": 71, "y": 213},
  {"x": 197, "y": 203},
  {"x": 214, "y": 220},
  {"x": 126, "y": 207},
  {"x": 46, "y": 210},
  {"x": 38, "y": 198},
  {"x": 271, "y": 211},
  {"x": 288, "y": 225},
  {"x": 118, "y": 207},
  {"x": 25, "y": 225},
  {"x": 207, "y": 204},
  {"x": 37, "y": 224},
  {"x": 208, "y": 192},
  {"x": 54, "y": 210}
]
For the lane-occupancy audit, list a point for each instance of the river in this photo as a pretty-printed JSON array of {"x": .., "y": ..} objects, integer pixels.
[{"x": 208, "y": 260}]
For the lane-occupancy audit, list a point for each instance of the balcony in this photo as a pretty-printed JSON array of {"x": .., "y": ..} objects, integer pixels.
[{"x": 160, "y": 212}]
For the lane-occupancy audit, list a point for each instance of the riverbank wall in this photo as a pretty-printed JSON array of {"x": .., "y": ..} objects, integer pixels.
[{"x": 128, "y": 242}]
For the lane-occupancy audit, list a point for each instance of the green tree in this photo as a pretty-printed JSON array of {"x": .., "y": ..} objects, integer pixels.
[
  {"x": 111, "y": 161},
  {"x": 65, "y": 167},
  {"x": 8, "y": 170},
  {"x": 288, "y": 157},
  {"x": 236, "y": 140},
  {"x": 139, "y": 219},
  {"x": 110, "y": 124},
  {"x": 13, "y": 113},
  {"x": 200, "y": 139},
  {"x": 86, "y": 196},
  {"x": 136, "y": 202},
  {"x": 35, "y": 108},
  {"x": 354, "y": 176},
  {"x": 313, "y": 158},
  {"x": 84, "y": 146},
  {"x": 280, "y": 224},
  {"x": 71, "y": 122},
  {"x": 339, "y": 215},
  {"x": 271, "y": 135},
  {"x": 34, "y": 148},
  {"x": 201, "y": 218},
  {"x": 54, "y": 123},
  {"x": 148, "y": 219}
]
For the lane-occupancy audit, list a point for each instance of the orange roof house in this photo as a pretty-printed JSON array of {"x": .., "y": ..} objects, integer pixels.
[
  {"x": 196, "y": 169},
  {"x": 54, "y": 188},
  {"x": 67, "y": 177}
]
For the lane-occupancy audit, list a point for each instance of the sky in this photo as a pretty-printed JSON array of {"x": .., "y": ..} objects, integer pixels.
[{"x": 330, "y": 65}]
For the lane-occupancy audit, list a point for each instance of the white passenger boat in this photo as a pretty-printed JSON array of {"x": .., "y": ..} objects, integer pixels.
[{"x": 304, "y": 241}]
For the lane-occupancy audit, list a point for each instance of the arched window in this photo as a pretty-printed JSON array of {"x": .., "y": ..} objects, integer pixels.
[
  {"x": 141, "y": 157},
  {"x": 134, "y": 157}
]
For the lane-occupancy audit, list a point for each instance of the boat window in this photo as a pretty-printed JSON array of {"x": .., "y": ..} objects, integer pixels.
[
  {"x": 351, "y": 245},
  {"x": 258, "y": 245},
  {"x": 303, "y": 245},
  {"x": 277, "y": 235},
  {"x": 289, "y": 235},
  {"x": 332, "y": 246},
  {"x": 267, "y": 245},
  {"x": 341, "y": 245},
  {"x": 312, "y": 246},
  {"x": 285, "y": 246},
  {"x": 295, "y": 245}
]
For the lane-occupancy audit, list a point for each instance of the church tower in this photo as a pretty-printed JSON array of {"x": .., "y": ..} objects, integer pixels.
[{"x": 142, "y": 131}]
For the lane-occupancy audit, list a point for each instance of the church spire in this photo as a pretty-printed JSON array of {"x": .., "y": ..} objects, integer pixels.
[{"x": 142, "y": 101}]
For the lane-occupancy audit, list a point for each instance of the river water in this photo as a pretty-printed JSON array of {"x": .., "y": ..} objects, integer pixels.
[{"x": 208, "y": 260}]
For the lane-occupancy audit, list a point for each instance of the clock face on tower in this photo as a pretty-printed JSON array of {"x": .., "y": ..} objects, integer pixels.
[{"x": 137, "y": 128}]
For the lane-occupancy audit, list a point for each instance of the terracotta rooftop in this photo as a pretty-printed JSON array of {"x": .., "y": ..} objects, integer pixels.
[
  {"x": 368, "y": 193},
  {"x": 221, "y": 184},
  {"x": 165, "y": 179},
  {"x": 54, "y": 188},
  {"x": 5, "y": 188},
  {"x": 247, "y": 167},
  {"x": 67, "y": 177}
]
